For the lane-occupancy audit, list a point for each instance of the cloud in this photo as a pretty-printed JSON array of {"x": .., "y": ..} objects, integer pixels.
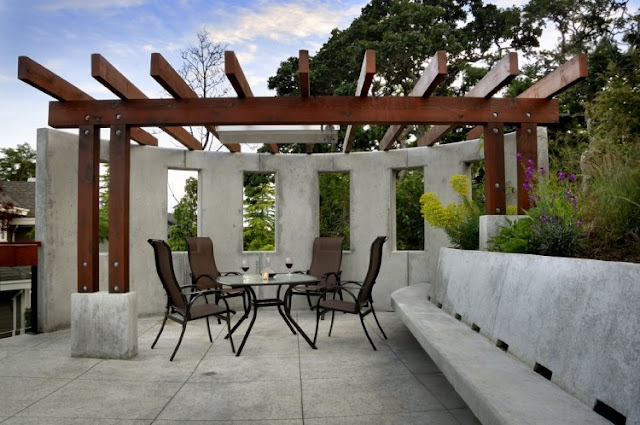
[
  {"x": 296, "y": 19},
  {"x": 55, "y": 5}
]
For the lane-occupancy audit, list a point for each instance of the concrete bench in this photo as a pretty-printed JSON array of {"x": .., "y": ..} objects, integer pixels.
[{"x": 497, "y": 387}]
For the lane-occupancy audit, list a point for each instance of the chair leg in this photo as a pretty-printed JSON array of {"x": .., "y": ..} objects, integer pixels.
[
  {"x": 378, "y": 323},
  {"x": 184, "y": 326},
  {"x": 333, "y": 313},
  {"x": 217, "y": 301},
  {"x": 315, "y": 336},
  {"x": 233, "y": 348},
  {"x": 366, "y": 332},
  {"x": 166, "y": 315},
  {"x": 309, "y": 301},
  {"x": 209, "y": 330}
]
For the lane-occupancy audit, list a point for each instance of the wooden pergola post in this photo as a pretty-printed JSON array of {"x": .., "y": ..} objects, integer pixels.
[
  {"x": 119, "y": 183},
  {"x": 496, "y": 199}
]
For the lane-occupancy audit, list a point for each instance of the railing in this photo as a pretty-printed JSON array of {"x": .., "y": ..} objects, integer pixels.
[{"x": 17, "y": 254}]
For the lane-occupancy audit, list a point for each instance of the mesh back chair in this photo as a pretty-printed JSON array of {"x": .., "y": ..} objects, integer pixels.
[
  {"x": 181, "y": 300},
  {"x": 362, "y": 303},
  {"x": 325, "y": 265},
  {"x": 204, "y": 270}
]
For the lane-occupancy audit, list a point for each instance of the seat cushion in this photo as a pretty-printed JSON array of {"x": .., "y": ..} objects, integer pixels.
[
  {"x": 339, "y": 305},
  {"x": 204, "y": 310}
]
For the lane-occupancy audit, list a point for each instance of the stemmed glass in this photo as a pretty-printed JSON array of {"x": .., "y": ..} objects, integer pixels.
[
  {"x": 289, "y": 263},
  {"x": 245, "y": 265}
]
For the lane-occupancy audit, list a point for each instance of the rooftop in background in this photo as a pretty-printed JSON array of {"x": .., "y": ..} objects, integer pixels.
[{"x": 22, "y": 194}]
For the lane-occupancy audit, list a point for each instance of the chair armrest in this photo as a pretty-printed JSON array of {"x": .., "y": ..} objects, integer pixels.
[
  {"x": 229, "y": 273},
  {"x": 195, "y": 279}
]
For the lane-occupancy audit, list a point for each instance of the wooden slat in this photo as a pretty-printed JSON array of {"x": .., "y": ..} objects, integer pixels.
[
  {"x": 47, "y": 82},
  {"x": 172, "y": 82},
  {"x": 88, "y": 209},
  {"x": 367, "y": 71},
  {"x": 527, "y": 146},
  {"x": 303, "y": 73},
  {"x": 433, "y": 75},
  {"x": 291, "y": 110},
  {"x": 240, "y": 84},
  {"x": 119, "y": 184},
  {"x": 119, "y": 85},
  {"x": 495, "y": 193},
  {"x": 571, "y": 72},
  {"x": 498, "y": 76},
  {"x": 19, "y": 254}
]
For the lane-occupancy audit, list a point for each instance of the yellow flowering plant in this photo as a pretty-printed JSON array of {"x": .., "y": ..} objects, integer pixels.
[{"x": 458, "y": 220}]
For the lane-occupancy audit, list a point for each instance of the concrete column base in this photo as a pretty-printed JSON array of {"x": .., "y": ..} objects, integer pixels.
[
  {"x": 104, "y": 325},
  {"x": 490, "y": 226}
]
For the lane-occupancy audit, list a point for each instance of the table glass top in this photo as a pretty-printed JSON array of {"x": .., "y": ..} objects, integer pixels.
[{"x": 256, "y": 279}]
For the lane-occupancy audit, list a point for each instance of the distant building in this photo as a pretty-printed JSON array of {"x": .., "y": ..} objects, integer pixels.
[{"x": 19, "y": 200}]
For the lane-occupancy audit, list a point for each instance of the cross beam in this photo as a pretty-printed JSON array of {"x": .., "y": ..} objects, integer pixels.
[{"x": 367, "y": 71}]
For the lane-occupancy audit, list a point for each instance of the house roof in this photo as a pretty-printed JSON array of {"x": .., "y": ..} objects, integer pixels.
[{"x": 22, "y": 194}]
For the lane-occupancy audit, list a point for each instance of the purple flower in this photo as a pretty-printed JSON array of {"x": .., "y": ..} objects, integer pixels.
[
  {"x": 530, "y": 163},
  {"x": 579, "y": 223},
  {"x": 519, "y": 157},
  {"x": 560, "y": 176},
  {"x": 528, "y": 174},
  {"x": 543, "y": 219},
  {"x": 542, "y": 171},
  {"x": 572, "y": 177},
  {"x": 526, "y": 186}
]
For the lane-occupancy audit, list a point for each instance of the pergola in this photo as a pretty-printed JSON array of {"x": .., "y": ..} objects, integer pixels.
[{"x": 127, "y": 117}]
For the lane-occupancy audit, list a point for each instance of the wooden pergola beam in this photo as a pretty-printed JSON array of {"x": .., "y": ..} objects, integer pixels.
[
  {"x": 303, "y": 73},
  {"x": 239, "y": 82},
  {"x": 289, "y": 110},
  {"x": 172, "y": 82},
  {"x": 498, "y": 76},
  {"x": 569, "y": 73},
  {"x": 119, "y": 85},
  {"x": 432, "y": 76},
  {"x": 36, "y": 75},
  {"x": 367, "y": 71}
]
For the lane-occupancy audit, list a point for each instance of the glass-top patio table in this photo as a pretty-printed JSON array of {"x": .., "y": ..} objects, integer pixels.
[{"x": 249, "y": 281}]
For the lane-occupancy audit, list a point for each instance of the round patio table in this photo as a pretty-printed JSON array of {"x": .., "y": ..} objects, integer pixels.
[{"x": 249, "y": 281}]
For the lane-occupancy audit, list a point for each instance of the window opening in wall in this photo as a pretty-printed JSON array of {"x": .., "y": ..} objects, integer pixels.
[
  {"x": 259, "y": 212},
  {"x": 334, "y": 215},
  {"x": 182, "y": 205},
  {"x": 409, "y": 220}
]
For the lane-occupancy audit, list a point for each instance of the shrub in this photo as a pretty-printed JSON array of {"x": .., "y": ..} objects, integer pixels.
[
  {"x": 516, "y": 237},
  {"x": 459, "y": 221}
]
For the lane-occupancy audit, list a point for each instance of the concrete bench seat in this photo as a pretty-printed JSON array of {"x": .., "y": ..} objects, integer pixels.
[{"x": 498, "y": 388}]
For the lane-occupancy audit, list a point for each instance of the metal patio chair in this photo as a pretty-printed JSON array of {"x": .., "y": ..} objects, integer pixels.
[
  {"x": 204, "y": 271},
  {"x": 181, "y": 300},
  {"x": 325, "y": 265},
  {"x": 362, "y": 303}
]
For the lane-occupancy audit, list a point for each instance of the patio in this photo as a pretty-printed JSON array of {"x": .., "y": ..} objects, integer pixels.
[{"x": 278, "y": 379}]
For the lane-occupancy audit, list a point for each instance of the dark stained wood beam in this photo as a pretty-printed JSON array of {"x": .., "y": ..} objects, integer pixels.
[
  {"x": 119, "y": 85},
  {"x": 303, "y": 73},
  {"x": 498, "y": 76},
  {"x": 290, "y": 110},
  {"x": 495, "y": 191},
  {"x": 88, "y": 209},
  {"x": 432, "y": 76},
  {"x": 367, "y": 71},
  {"x": 527, "y": 147},
  {"x": 172, "y": 82},
  {"x": 239, "y": 82},
  {"x": 571, "y": 72},
  {"x": 119, "y": 189},
  {"x": 48, "y": 82}
]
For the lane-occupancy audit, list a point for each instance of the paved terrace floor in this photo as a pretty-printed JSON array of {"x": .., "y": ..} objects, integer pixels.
[{"x": 277, "y": 380}]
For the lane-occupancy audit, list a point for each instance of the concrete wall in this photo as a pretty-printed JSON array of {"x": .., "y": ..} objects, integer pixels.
[
  {"x": 579, "y": 318},
  {"x": 220, "y": 216}
]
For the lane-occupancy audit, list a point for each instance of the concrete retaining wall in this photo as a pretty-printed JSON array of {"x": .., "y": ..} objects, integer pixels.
[
  {"x": 579, "y": 318},
  {"x": 220, "y": 216}
]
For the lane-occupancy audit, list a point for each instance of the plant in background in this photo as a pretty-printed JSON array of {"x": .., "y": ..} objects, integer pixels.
[
  {"x": 556, "y": 227},
  {"x": 458, "y": 220},
  {"x": 516, "y": 237}
]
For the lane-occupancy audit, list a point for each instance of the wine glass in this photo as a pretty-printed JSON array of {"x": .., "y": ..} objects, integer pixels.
[
  {"x": 289, "y": 263},
  {"x": 245, "y": 265}
]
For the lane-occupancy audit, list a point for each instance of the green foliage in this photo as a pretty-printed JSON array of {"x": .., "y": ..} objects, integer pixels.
[
  {"x": 103, "y": 213},
  {"x": 334, "y": 206},
  {"x": 17, "y": 164},
  {"x": 409, "y": 221},
  {"x": 516, "y": 237},
  {"x": 185, "y": 214},
  {"x": 460, "y": 221},
  {"x": 259, "y": 212}
]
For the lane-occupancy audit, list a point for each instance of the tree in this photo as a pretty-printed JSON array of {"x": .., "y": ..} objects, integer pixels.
[
  {"x": 334, "y": 214},
  {"x": 409, "y": 220},
  {"x": 185, "y": 214},
  {"x": 259, "y": 212},
  {"x": 103, "y": 213},
  {"x": 18, "y": 164},
  {"x": 203, "y": 71}
]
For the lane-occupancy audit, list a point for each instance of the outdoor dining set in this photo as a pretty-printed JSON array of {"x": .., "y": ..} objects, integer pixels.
[{"x": 208, "y": 294}]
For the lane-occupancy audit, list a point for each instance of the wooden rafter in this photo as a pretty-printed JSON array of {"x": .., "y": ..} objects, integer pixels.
[
  {"x": 172, "y": 82},
  {"x": 119, "y": 85},
  {"x": 568, "y": 74},
  {"x": 315, "y": 110},
  {"x": 367, "y": 71},
  {"x": 497, "y": 77},
  {"x": 432, "y": 76},
  {"x": 303, "y": 73},
  {"x": 36, "y": 75},
  {"x": 239, "y": 82}
]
